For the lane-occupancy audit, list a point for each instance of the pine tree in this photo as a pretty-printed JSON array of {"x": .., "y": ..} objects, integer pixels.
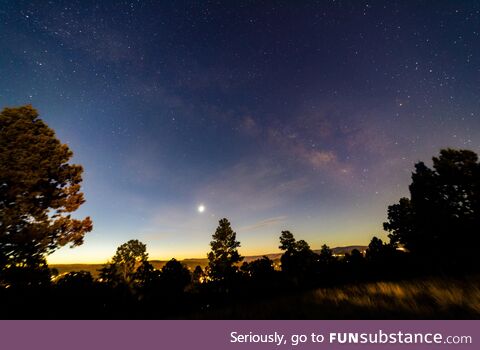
[
  {"x": 39, "y": 189},
  {"x": 224, "y": 255}
]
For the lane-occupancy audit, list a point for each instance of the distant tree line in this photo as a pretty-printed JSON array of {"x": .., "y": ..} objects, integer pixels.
[{"x": 435, "y": 231}]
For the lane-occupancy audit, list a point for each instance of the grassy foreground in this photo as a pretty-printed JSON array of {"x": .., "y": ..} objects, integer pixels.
[{"x": 432, "y": 298}]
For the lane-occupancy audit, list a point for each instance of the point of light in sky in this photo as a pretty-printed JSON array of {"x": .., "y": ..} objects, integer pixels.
[{"x": 201, "y": 208}]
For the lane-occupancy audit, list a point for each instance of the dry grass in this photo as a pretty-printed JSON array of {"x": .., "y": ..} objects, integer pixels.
[
  {"x": 424, "y": 298},
  {"x": 434, "y": 298}
]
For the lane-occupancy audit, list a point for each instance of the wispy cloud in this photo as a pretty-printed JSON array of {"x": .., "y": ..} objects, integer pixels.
[{"x": 263, "y": 223}]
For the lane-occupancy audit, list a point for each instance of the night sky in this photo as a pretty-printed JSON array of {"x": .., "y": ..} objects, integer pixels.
[{"x": 277, "y": 115}]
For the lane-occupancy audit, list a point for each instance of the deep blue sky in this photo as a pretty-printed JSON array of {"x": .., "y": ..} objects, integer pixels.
[{"x": 276, "y": 115}]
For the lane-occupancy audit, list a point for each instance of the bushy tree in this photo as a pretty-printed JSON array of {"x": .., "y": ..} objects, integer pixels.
[
  {"x": 326, "y": 255},
  {"x": 175, "y": 277},
  {"x": 259, "y": 269},
  {"x": 441, "y": 220},
  {"x": 198, "y": 275},
  {"x": 110, "y": 275},
  {"x": 79, "y": 281},
  {"x": 375, "y": 249},
  {"x": 128, "y": 258},
  {"x": 354, "y": 265},
  {"x": 401, "y": 224},
  {"x": 380, "y": 252},
  {"x": 355, "y": 257},
  {"x": 298, "y": 261},
  {"x": 39, "y": 189},
  {"x": 224, "y": 255},
  {"x": 146, "y": 277},
  {"x": 26, "y": 276}
]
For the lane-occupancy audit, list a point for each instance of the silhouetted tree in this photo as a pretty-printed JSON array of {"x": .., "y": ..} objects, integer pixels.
[
  {"x": 175, "y": 277},
  {"x": 259, "y": 278},
  {"x": 39, "y": 190},
  {"x": 259, "y": 269},
  {"x": 224, "y": 254},
  {"x": 79, "y": 287},
  {"x": 78, "y": 280},
  {"x": 22, "y": 276},
  {"x": 441, "y": 221},
  {"x": 354, "y": 265},
  {"x": 375, "y": 249},
  {"x": 301, "y": 246},
  {"x": 287, "y": 241},
  {"x": 326, "y": 256},
  {"x": 380, "y": 252},
  {"x": 401, "y": 223},
  {"x": 384, "y": 261},
  {"x": 355, "y": 257},
  {"x": 198, "y": 275},
  {"x": 298, "y": 261},
  {"x": 110, "y": 275},
  {"x": 146, "y": 277},
  {"x": 326, "y": 266}
]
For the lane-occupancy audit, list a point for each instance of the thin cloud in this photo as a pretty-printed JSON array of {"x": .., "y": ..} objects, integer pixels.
[{"x": 264, "y": 223}]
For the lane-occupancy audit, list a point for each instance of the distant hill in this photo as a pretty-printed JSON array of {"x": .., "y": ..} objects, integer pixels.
[
  {"x": 65, "y": 268},
  {"x": 191, "y": 263},
  {"x": 347, "y": 249}
]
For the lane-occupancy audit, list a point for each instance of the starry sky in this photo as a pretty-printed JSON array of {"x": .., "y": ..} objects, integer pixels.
[{"x": 305, "y": 116}]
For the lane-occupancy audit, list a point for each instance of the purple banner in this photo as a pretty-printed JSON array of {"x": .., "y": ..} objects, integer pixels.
[{"x": 213, "y": 335}]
